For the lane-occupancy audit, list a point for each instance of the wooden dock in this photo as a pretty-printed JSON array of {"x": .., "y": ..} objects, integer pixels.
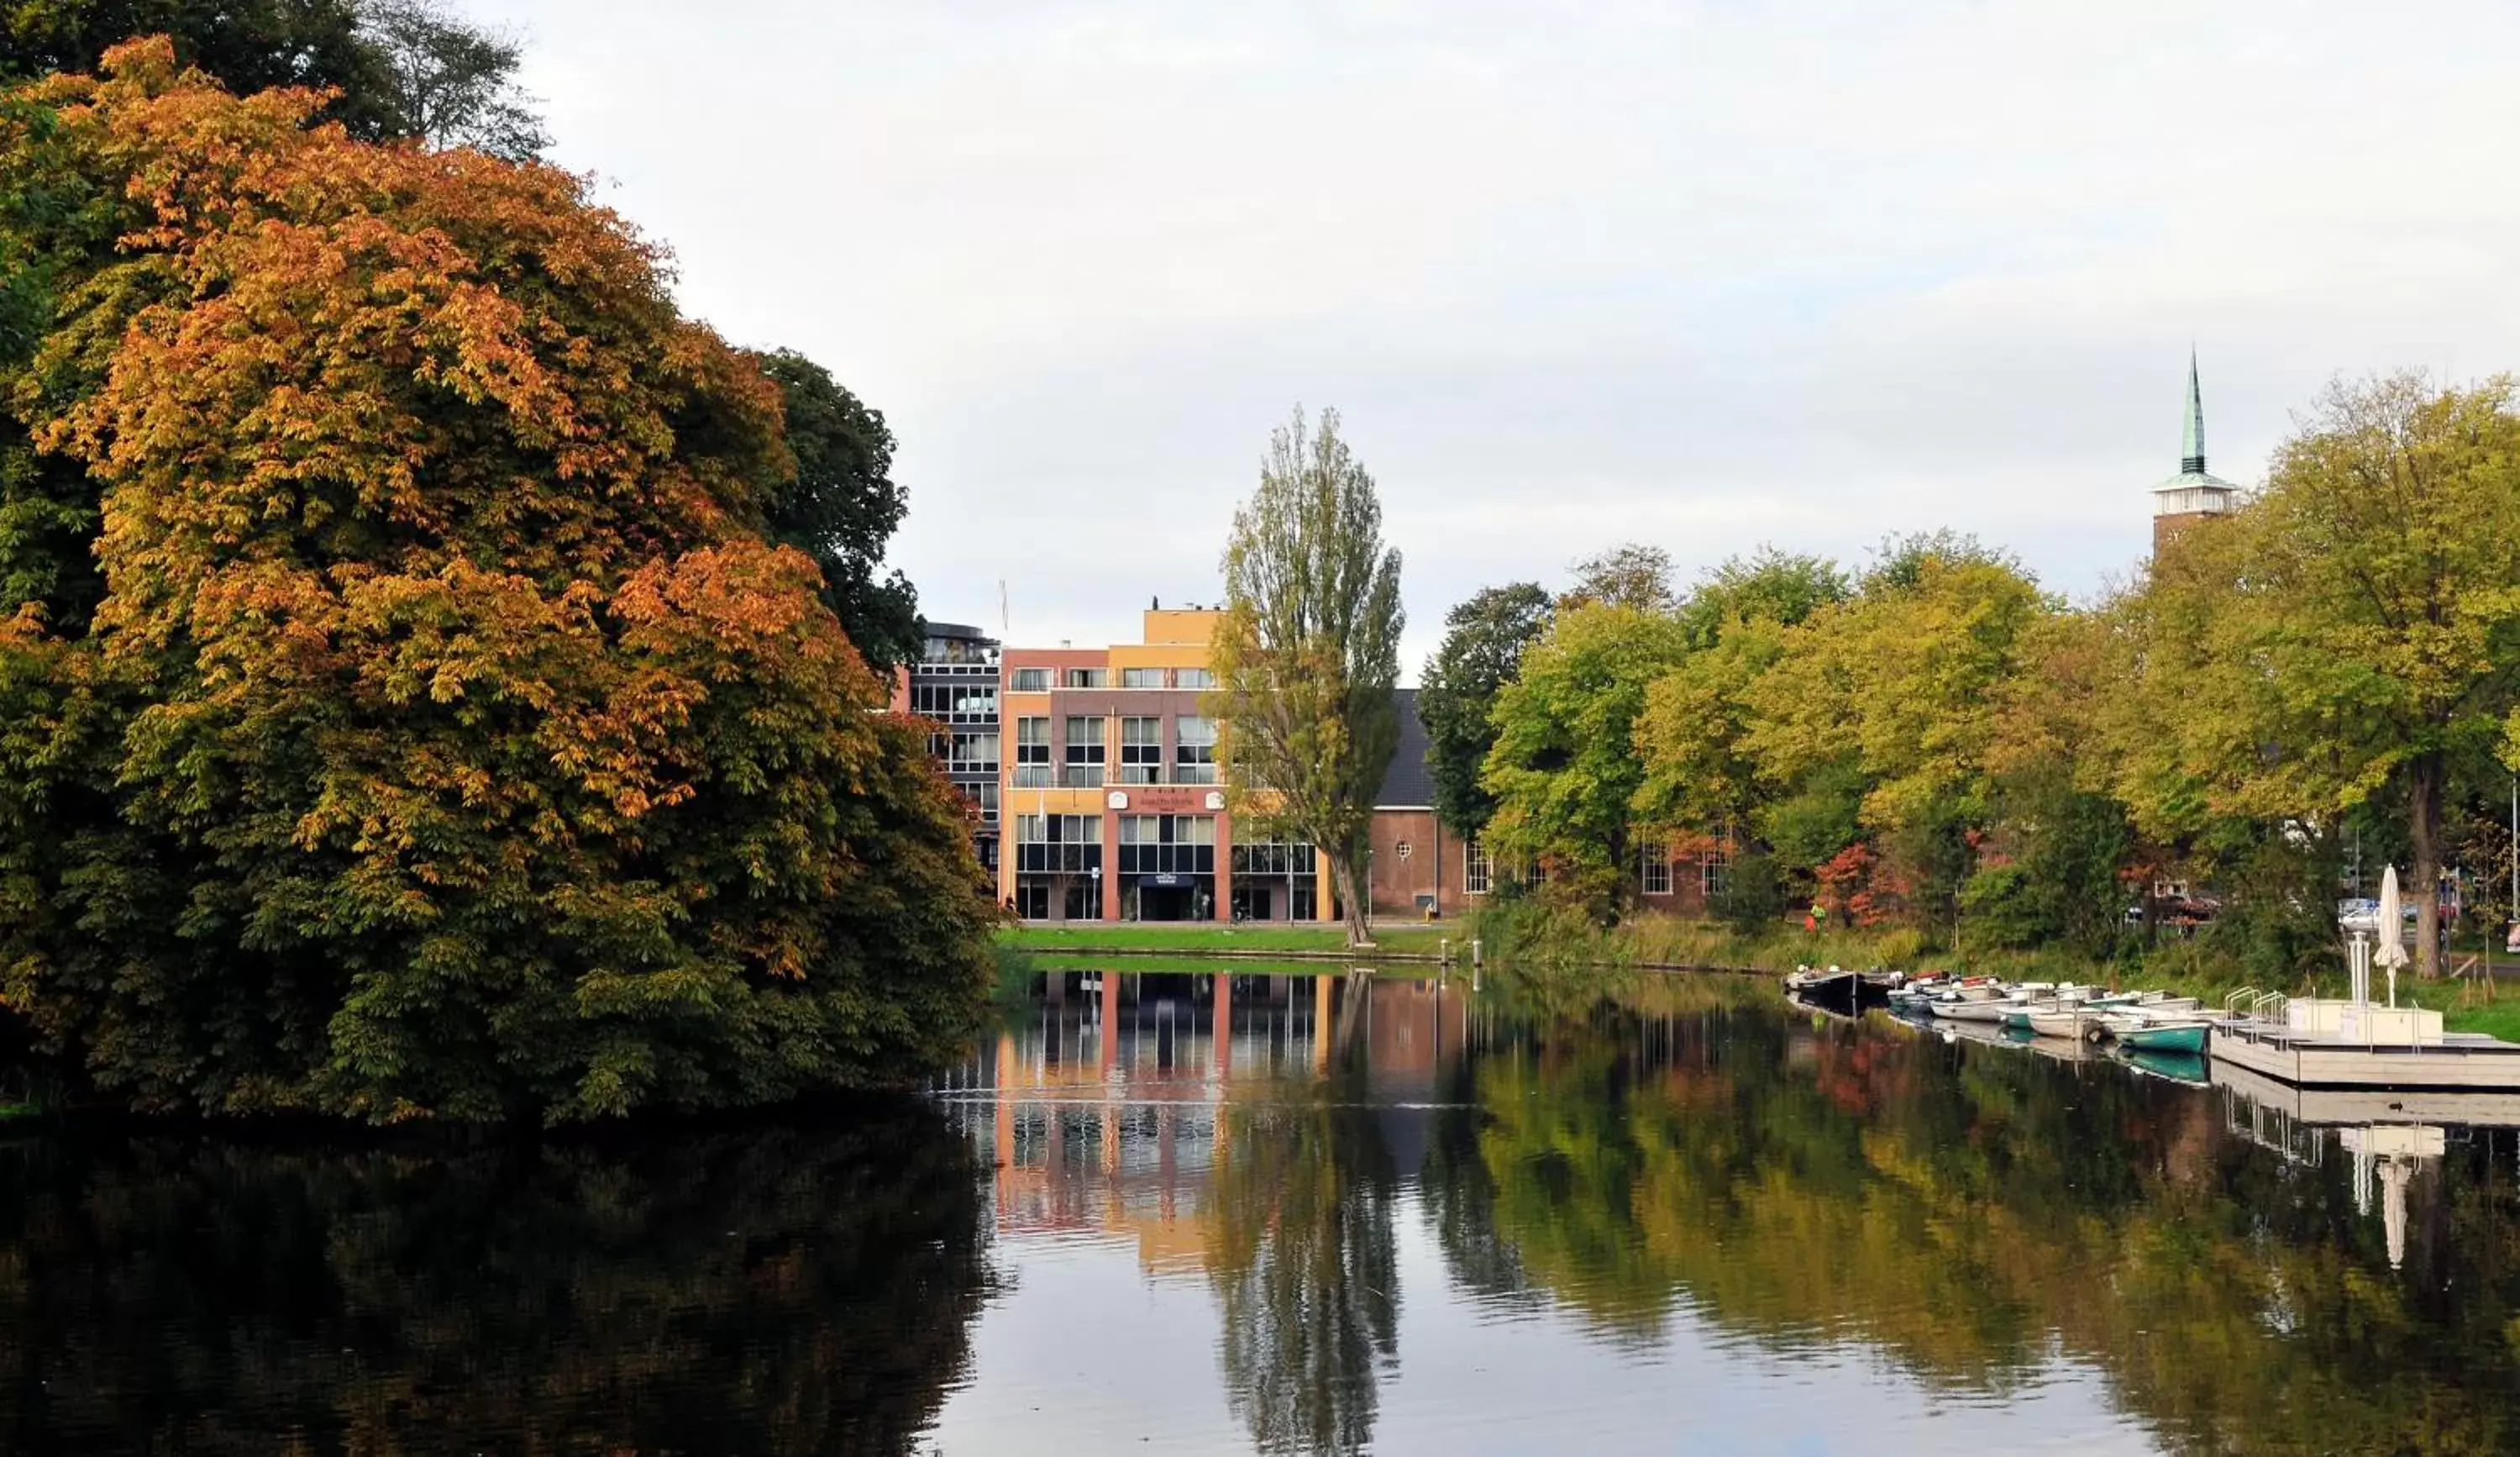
[{"x": 2458, "y": 1062}]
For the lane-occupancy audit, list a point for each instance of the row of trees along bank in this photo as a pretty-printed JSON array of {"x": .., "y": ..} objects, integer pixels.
[
  {"x": 434, "y": 676},
  {"x": 1937, "y": 744}
]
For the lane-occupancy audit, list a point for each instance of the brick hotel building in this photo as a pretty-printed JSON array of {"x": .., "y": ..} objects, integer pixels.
[{"x": 1093, "y": 778}]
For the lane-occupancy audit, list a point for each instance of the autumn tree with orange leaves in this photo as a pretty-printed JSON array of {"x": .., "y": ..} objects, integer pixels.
[{"x": 402, "y": 713}]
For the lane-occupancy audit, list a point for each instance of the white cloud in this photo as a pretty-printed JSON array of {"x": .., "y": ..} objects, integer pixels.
[{"x": 1703, "y": 274}]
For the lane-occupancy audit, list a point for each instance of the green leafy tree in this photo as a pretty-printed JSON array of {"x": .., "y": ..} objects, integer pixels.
[
  {"x": 451, "y": 83},
  {"x": 842, "y": 508},
  {"x": 1564, "y": 770},
  {"x": 397, "y": 68},
  {"x": 1484, "y": 641},
  {"x": 1768, "y": 586},
  {"x": 1633, "y": 576},
  {"x": 2348, "y": 635},
  {"x": 1308, "y": 652},
  {"x": 1904, "y": 681},
  {"x": 248, "y": 45},
  {"x": 1697, "y": 777}
]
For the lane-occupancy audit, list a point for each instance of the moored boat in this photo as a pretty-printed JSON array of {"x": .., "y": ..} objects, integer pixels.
[
  {"x": 2062, "y": 1022},
  {"x": 1820, "y": 978},
  {"x": 2182, "y": 1035},
  {"x": 2177, "y": 1066}
]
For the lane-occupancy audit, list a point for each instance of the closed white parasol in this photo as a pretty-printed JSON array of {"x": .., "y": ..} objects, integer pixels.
[{"x": 2391, "y": 931}]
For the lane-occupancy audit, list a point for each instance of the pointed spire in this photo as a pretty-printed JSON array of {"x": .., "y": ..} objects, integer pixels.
[{"x": 2192, "y": 441}]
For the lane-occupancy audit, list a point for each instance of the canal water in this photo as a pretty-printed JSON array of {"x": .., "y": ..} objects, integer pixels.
[{"x": 1205, "y": 1213}]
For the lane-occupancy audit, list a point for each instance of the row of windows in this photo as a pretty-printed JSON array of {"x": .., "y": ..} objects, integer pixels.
[
  {"x": 955, "y": 703},
  {"x": 966, "y": 753},
  {"x": 1272, "y": 857},
  {"x": 1040, "y": 679},
  {"x": 1168, "y": 844},
  {"x": 1058, "y": 844},
  {"x": 1141, "y": 753}
]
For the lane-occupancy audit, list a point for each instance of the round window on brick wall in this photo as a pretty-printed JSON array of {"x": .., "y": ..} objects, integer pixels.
[{"x": 1401, "y": 850}]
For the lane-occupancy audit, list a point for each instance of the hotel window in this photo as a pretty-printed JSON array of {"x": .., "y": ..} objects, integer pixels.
[
  {"x": 1142, "y": 677},
  {"x": 982, "y": 798},
  {"x": 1474, "y": 868},
  {"x": 974, "y": 754},
  {"x": 1032, "y": 754},
  {"x": 1656, "y": 876},
  {"x": 1085, "y": 754},
  {"x": 1275, "y": 857},
  {"x": 1031, "y": 680},
  {"x": 1168, "y": 844},
  {"x": 1141, "y": 750},
  {"x": 1088, "y": 677},
  {"x": 1194, "y": 749},
  {"x": 1058, "y": 844},
  {"x": 1194, "y": 677}
]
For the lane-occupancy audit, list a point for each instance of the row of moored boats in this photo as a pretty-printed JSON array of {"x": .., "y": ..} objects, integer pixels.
[{"x": 2143, "y": 1021}]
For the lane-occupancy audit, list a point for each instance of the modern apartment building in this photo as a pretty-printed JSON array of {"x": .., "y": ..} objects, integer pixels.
[
  {"x": 1113, "y": 794},
  {"x": 955, "y": 685},
  {"x": 1094, "y": 777}
]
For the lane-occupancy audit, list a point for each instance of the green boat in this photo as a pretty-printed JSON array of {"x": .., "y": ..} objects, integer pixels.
[
  {"x": 2177, "y": 1066},
  {"x": 2178, "y": 1036}
]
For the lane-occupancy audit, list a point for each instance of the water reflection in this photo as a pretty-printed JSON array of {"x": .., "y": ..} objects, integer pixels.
[
  {"x": 783, "y": 1289},
  {"x": 1688, "y": 1170},
  {"x": 1316, "y": 1216}
]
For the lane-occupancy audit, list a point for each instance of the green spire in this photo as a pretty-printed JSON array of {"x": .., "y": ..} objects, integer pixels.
[{"x": 2192, "y": 441}]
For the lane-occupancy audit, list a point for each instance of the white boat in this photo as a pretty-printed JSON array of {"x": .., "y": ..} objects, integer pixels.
[
  {"x": 1992, "y": 1009},
  {"x": 2063, "y": 1021}
]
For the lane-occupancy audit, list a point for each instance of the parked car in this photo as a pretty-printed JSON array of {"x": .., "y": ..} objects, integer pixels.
[{"x": 2363, "y": 914}]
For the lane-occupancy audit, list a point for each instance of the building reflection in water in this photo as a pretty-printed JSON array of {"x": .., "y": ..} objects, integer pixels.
[
  {"x": 1251, "y": 1132},
  {"x": 1106, "y": 1108}
]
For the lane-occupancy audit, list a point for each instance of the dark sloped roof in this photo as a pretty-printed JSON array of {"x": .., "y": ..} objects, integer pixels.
[{"x": 1409, "y": 784}]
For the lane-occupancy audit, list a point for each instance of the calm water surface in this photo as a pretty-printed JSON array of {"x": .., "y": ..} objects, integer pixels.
[{"x": 1191, "y": 1213}]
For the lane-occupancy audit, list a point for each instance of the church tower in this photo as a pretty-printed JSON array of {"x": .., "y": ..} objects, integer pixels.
[{"x": 2191, "y": 495}]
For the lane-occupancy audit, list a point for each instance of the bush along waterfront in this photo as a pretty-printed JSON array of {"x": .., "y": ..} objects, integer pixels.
[
  {"x": 403, "y": 711},
  {"x": 1524, "y": 936}
]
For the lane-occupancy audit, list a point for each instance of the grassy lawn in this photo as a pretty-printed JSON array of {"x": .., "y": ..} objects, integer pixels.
[{"x": 1193, "y": 939}]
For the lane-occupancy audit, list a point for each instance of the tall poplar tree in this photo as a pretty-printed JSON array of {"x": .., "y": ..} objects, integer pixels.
[{"x": 1308, "y": 653}]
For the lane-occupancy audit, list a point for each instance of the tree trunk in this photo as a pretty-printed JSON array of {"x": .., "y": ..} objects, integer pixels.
[
  {"x": 1352, "y": 899},
  {"x": 2423, "y": 834}
]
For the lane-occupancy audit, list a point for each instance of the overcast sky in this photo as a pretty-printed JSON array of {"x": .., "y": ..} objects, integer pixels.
[{"x": 1703, "y": 274}]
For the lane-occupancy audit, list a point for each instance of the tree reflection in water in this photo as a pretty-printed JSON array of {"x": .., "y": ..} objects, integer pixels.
[
  {"x": 1306, "y": 1267},
  {"x": 1971, "y": 1212},
  {"x": 767, "y": 1288}
]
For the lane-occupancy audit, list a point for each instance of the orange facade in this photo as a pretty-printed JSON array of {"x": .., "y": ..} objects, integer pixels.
[{"x": 1110, "y": 793}]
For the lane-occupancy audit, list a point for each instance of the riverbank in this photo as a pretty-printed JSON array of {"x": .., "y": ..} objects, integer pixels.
[{"x": 2466, "y": 1005}]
